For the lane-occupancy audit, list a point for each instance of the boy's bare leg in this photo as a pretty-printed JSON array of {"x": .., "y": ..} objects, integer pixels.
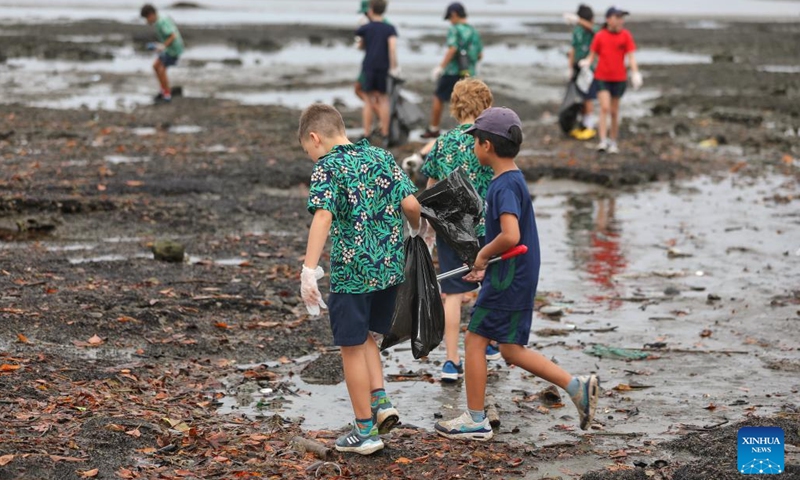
[
  {"x": 452, "y": 325},
  {"x": 535, "y": 363},
  {"x": 374, "y": 364},
  {"x": 475, "y": 370},
  {"x": 161, "y": 74},
  {"x": 382, "y": 103},
  {"x": 366, "y": 115},
  {"x": 604, "y": 97},
  {"x": 436, "y": 112},
  {"x": 360, "y": 92},
  {"x": 614, "y": 118},
  {"x": 357, "y": 378}
]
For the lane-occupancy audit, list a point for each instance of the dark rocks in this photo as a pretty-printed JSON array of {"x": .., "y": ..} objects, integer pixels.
[
  {"x": 722, "y": 58},
  {"x": 661, "y": 109},
  {"x": 168, "y": 251}
]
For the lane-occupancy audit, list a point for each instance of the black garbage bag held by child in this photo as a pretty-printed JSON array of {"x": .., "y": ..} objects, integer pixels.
[
  {"x": 570, "y": 108},
  {"x": 418, "y": 313},
  {"x": 453, "y": 208}
]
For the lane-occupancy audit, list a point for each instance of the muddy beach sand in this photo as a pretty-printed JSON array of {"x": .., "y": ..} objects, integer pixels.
[{"x": 113, "y": 361}]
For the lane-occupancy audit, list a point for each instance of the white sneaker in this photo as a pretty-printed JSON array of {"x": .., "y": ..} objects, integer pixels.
[
  {"x": 602, "y": 146},
  {"x": 612, "y": 147},
  {"x": 464, "y": 428}
]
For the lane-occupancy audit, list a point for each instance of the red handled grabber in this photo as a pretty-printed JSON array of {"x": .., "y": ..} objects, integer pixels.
[{"x": 514, "y": 252}]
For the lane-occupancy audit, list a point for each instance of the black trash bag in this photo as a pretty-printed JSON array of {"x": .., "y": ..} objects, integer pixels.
[
  {"x": 453, "y": 208},
  {"x": 570, "y": 108},
  {"x": 418, "y": 312},
  {"x": 403, "y": 114}
]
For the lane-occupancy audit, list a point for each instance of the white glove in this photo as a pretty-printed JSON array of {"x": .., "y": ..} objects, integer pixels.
[
  {"x": 430, "y": 237},
  {"x": 583, "y": 63},
  {"x": 423, "y": 227},
  {"x": 396, "y": 72},
  {"x": 310, "y": 291},
  {"x": 160, "y": 47},
  {"x": 636, "y": 80},
  {"x": 412, "y": 163},
  {"x": 436, "y": 73},
  {"x": 571, "y": 18}
]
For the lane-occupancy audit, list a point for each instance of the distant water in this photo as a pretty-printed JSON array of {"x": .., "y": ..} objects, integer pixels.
[{"x": 501, "y": 14}]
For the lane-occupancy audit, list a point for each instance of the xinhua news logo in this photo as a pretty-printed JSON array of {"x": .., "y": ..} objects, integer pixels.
[{"x": 760, "y": 450}]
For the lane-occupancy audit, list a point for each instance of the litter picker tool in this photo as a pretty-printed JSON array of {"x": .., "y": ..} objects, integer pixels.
[{"x": 514, "y": 252}]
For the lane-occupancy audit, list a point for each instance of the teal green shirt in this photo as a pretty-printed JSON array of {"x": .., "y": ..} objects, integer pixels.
[
  {"x": 582, "y": 41},
  {"x": 362, "y": 186},
  {"x": 164, "y": 28},
  {"x": 455, "y": 150},
  {"x": 464, "y": 36}
]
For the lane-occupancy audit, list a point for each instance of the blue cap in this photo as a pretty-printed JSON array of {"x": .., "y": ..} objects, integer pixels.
[
  {"x": 616, "y": 12},
  {"x": 456, "y": 8}
]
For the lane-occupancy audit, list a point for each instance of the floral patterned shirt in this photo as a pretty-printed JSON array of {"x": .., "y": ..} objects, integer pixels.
[
  {"x": 455, "y": 150},
  {"x": 362, "y": 186}
]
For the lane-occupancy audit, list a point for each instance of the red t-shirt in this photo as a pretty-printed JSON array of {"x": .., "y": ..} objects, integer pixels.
[{"x": 611, "y": 48}]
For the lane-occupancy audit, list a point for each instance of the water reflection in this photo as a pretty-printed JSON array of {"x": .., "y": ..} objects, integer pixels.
[{"x": 595, "y": 239}]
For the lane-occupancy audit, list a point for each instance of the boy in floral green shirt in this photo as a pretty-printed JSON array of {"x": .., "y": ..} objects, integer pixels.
[
  {"x": 453, "y": 151},
  {"x": 357, "y": 193}
]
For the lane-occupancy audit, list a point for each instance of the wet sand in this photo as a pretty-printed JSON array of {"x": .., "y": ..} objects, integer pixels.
[{"x": 86, "y": 192}]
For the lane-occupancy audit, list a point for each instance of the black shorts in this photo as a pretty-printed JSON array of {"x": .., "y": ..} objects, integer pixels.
[
  {"x": 375, "y": 80},
  {"x": 444, "y": 89},
  {"x": 167, "y": 60},
  {"x": 449, "y": 260},
  {"x": 616, "y": 89},
  {"x": 353, "y": 316}
]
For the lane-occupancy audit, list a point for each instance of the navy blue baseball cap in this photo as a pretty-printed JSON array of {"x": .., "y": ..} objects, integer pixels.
[
  {"x": 456, "y": 8},
  {"x": 616, "y": 12},
  {"x": 497, "y": 120}
]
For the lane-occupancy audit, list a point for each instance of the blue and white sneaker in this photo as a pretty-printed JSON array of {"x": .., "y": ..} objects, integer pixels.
[
  {"x": 451, "y": 372},
  {"x": 354, "y": 442},
  {"x": 586, "y": 399},
  {"x": 385, "y": 416},
  {"x": 464, "y": 428},
  {"x": 492, "y": 352}
]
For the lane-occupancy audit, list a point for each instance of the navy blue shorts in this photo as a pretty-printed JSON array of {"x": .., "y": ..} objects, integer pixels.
[
  {"x": 167, "y": 60},
  {"x": 353, "y": 316},
  {"x": 592, "y": 93},
  {"x": 502, "y": 326},
  {"x": 375, "y": 80},
  {"x": 444, "y": 89},
  {"x": 449, "y": 260},
  {"x": 616, "y": 89}
]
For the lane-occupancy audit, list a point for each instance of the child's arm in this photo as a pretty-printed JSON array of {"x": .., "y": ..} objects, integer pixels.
[
  {"x": 393, "y": 53},
  {"x": 636, "y": 77},
  {"x": 317, "y": 236},
  {"x": 509, "y": 237},
  {"x": 411, "y": 210},
  {"x": 169, "y": 40}
]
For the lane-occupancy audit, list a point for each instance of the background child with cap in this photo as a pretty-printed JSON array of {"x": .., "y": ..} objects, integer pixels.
[
  {"x": 461, "y": 37},
  {"x": 504, "y": 309},
  {"x": 582, "y": 36},
  {"x": 610, "y": 47}
]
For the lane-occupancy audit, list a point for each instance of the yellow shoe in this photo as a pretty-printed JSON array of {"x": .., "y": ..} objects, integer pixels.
[
  {"x": 576, "y": 133},
  {"x": 587, "y": 134}
]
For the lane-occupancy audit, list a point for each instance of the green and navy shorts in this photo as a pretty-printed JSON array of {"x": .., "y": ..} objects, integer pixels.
[{"x": 502, "y": 326}]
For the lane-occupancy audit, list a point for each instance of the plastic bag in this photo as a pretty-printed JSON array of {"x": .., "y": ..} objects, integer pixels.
[
  {"x": 418, "y": 312},
  {"x": 404, "y": 115},
  {"x": 453, "y": 208},
  {"x": 570, "y": 108},
  {"x": 584, "y": 80}
]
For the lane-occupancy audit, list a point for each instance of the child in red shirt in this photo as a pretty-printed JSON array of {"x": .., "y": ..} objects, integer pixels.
[{"x": 610, "y": 46}]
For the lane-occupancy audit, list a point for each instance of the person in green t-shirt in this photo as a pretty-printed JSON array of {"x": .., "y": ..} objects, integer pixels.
[
  {"x": 464, "y": 50},
  {"x": 358, "y": 195},
  {"x": 455, "y": 150},
  {"x": 169, "y": 48},
  {"x": 582, "y": 36}
]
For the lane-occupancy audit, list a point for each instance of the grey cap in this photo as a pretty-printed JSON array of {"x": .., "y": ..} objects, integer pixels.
[{"x": 497, "y": 120}]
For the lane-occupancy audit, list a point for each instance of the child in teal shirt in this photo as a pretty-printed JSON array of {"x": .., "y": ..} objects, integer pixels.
[{"x": 169, "y": 48}]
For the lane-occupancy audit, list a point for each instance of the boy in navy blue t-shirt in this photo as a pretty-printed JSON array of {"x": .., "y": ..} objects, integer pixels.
[
  {"x": 504, "y": 309},
  {"x": 380, "y": 60}
]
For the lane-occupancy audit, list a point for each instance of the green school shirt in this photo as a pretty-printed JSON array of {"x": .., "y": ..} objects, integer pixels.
[
  {"x": 455, "y": 150},
  {"x": 164, "y": 28},
  {"x": 582, "y": 41},
  {"x": 464, "y": 36},
  {"x": 362, "y": 186}
]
